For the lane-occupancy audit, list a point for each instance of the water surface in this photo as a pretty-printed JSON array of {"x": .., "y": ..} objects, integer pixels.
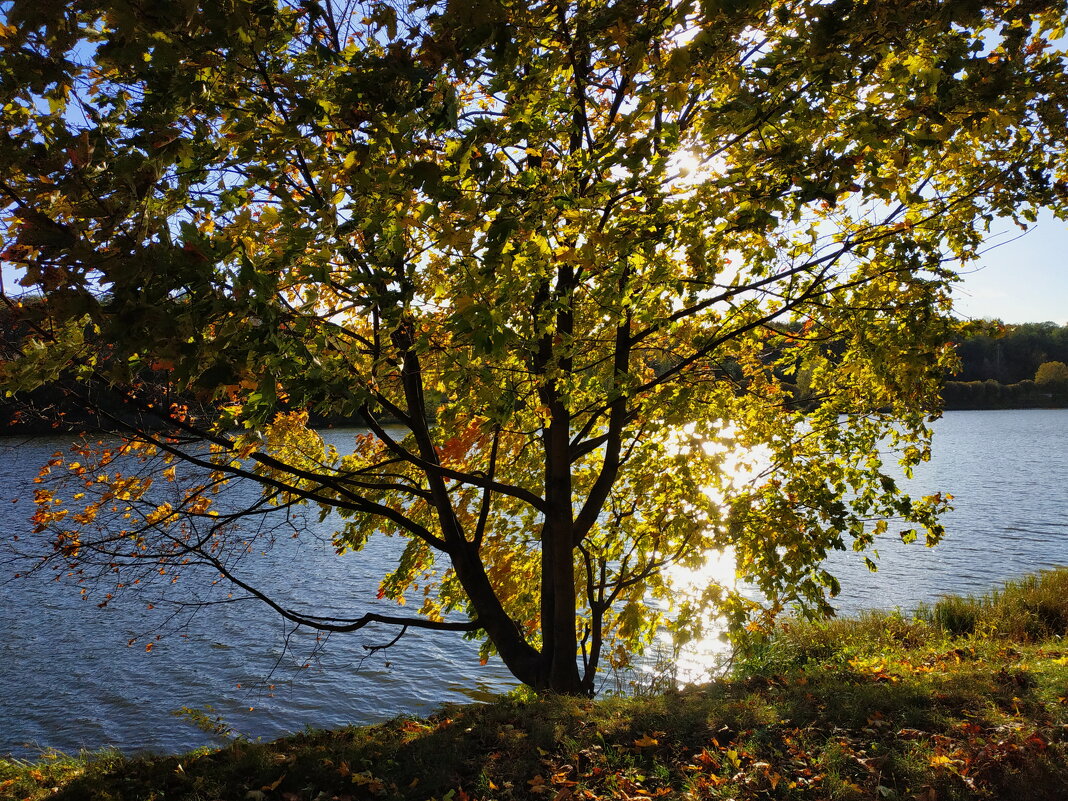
[{"x": 68, "y": 679}]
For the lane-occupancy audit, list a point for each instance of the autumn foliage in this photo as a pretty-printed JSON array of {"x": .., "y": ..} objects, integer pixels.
[{"x": 609, "y": 286}]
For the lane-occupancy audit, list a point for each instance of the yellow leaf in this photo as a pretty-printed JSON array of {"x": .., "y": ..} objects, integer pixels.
[{"x": 646, "y": 741}]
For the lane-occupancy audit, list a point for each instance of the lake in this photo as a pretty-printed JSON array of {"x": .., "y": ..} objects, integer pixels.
[{"x": 69, "y": 680}]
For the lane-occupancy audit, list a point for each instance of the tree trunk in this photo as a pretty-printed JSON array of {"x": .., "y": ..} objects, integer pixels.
[
  {"x": 559, "y": 599},
  {"x": 518, "y": 655}
]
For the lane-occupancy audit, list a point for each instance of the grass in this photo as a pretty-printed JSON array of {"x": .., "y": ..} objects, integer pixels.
[
  {"x": 1033, "y": 608},
  {"x": 967, "y": 699}
]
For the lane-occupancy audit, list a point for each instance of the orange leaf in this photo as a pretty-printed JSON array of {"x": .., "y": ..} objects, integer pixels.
[{"x": 273, "y": 785}]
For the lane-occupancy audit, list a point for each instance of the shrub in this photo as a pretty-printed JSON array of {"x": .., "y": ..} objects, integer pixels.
[{"x": 1051, "y": 373}]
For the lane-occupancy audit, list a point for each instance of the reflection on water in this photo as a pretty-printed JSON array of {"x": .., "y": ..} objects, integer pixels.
[
  {"x": 68, "y": 679},
  {"x": 1008, "y": 473},
  {"x": 699, "y": 658}
]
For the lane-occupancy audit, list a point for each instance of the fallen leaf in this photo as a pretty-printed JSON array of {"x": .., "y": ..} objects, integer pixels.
[{"x": 273, "y": 785}]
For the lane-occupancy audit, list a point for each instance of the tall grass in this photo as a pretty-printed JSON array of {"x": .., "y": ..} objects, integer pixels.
[{"x": 1030, "y": 609}]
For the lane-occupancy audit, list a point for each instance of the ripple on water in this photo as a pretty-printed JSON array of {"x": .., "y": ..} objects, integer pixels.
[{"x": 68, "y": 680}]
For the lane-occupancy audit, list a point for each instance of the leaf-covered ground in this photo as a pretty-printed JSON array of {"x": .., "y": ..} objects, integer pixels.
[{"x": 968, "y": 699}]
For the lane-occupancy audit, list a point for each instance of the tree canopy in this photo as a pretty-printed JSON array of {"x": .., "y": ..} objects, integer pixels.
[
  {"x": 610, "y": 286},
  {"x": 1051, "y": 373}
]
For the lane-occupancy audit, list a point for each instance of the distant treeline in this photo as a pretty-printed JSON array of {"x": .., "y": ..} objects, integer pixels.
[
  {"x": 64, "y": 405},
  {"x": 998, "y": 371},
  {"x": 998, "y": 368},
  {"x": 995, "y": 395},
  {"x": 1012, "y": 355}
]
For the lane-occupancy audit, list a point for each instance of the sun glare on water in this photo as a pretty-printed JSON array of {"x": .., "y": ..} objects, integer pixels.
[{"x": 699, "y": 659}]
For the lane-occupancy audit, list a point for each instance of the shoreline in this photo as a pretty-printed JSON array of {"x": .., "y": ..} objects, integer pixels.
[{"x": 964, "y": 699}]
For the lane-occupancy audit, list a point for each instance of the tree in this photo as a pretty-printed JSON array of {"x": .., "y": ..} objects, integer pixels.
[
  {"x": 1051, "y": 373},
  {"x": 579, "y": 254},
  {"x": 1010, "y": 353}
]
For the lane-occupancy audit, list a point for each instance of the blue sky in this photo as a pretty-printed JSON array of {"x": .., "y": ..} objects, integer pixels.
[{"x": 1024, "y": 280}]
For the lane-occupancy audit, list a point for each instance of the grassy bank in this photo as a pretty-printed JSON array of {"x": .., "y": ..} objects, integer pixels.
[{"x": 968, "y": 699}]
